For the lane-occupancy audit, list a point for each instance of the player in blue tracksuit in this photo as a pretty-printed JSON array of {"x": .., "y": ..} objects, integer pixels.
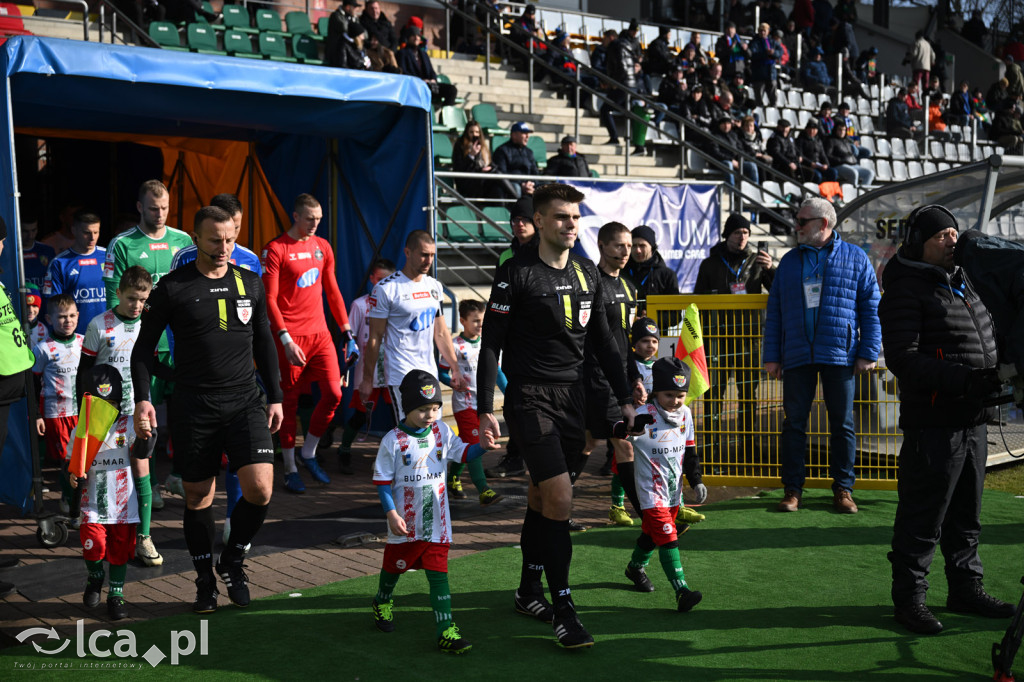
[{"x": 78, "y": 271}]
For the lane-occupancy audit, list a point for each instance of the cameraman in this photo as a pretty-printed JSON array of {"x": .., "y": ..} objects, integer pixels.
[{"x": 939, "y": 342}]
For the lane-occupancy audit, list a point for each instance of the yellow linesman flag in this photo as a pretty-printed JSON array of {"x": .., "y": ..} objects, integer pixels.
[
  {"x": 95, "y": 417},
  {"x": 690, "y": 349}
]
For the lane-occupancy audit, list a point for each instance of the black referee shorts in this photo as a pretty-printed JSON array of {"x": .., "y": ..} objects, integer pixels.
[
  {"x": 206, "y": 425},
  {"x": 546, "y": 421},
  {"x": 602, "y": 409}
]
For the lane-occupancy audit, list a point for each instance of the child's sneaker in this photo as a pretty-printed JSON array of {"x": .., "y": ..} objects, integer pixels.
[
  {"x": 455, "y": 488},
  {"x": 570, "y": 631},
  {"x": 145, "y": 551},
  {"x": 489, "y": 497},
  {"x": 452, "y": 642},
  {"x": 206, "y": 594},
  {"x": 384, "y": 616},
  {"x": 93, "y": 588},
  {"x": 235, "y": 580},
  {"x": 293, "y": 483},
  {"x": 534, "y": 605},
  {"x": 619, "y": 516},
  {"x": 688, "y": 515},
  {"x": 639, "y": 578},
  {"x": 318, "y": 474},
  {"x": 116, "y": 608},
  {"x": 173, "y": 485},
  {"x": 686, "y": 598}
]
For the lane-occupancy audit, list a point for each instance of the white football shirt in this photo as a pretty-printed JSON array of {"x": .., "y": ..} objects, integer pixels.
[
  {"x": 411, "y": 309},
  {"x": 658, "y": 458}
]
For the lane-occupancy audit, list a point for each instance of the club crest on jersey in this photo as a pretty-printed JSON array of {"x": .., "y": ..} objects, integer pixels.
[
  {"x": 428, "y": 391},
  {"x": 318, "y": 254},
  {"x": 243, "y": 308},
  {"x": 120, "y": 441},
  {"x": 104, "y": 389},
  {"x": 584, "y": 317},
  {"x": 651, "y": 329},
  {"x": 679, "y": 380}
]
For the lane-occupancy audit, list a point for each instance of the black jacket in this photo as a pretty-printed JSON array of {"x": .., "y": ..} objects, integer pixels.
[
  {"x": 841, "y": 151},
  {"x": 783, "y": 152},
  {"x": 697, "y": 112},
  {"x": 723, "y": 146},
  {"x": 350, "y": 56},
  {"x": 381, "y": 28},
  {"x": 811, "y": 149},
  {"x": 935, "y": 331},
  {"x": 722, "y": 267},
  {"x": 565, "y": 166},
  {"x": 659, "y": 58},
  {"x": 671, "y": 93},
  {"x": 651, "y": 277},
  {"x": 508, "y": 158},
  {"x": 337, "y": 27},
  {"x": 414, "y": 61},
  {"x": 621, "y": 58}
]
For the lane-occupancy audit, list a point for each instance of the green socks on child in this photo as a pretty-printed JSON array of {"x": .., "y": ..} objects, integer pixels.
[
  {"x": 145, "y": 492},
  {"x": 386, "y": 586},
  {"x": 618, "y": 492},
  {"x": 669, "y": 557},
  {"x": 440, "y": 600},
  {"x": 117, "y": 577}
]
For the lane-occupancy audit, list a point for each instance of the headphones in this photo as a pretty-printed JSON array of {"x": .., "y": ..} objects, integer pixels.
[{"x": 912, "y": 241}]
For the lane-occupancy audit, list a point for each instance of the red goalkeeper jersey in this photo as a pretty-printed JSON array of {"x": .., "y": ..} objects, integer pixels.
[{"x": 296, "y": 275}]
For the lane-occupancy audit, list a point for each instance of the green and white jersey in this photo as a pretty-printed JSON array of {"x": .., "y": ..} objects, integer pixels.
[
  {"x": 108, "y": 491},
  {"x": 414, "y": 464},
  {"x": 658, "y": 457},
  {"x": 110, "y": 339},
  {"x": 135, "y": 247},
  {"x": 57, "y": 367}
]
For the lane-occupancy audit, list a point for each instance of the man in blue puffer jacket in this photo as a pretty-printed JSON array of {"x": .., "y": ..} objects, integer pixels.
[{"x": 822, "y": 321}]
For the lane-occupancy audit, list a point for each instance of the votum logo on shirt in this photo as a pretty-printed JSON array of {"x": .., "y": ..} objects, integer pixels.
[{"x": 309, "y": 278}]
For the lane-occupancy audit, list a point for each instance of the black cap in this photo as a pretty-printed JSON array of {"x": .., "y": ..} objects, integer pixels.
[
  {"x": 642, "y": 328},
  {"x": 355, "y": 29},
  {"x": 104, "y": 381},
  {"x": 664, "y": 31},
  {"x": 647, "y": 234},
  {"x": 670, "y": 374},
  {"x": 634, "y": 25},
  {"x": 735, "y": 222},
  {"x": 784, "y": 123},
  {"x": 811, "y": 123},
  {"x": 924, "y": 222},
  {"x": 568, "y": 139},
  {"x": 523, "y": 208},
  {"x": 419, "y": 388},
  {"x": 844, "y": 105}
]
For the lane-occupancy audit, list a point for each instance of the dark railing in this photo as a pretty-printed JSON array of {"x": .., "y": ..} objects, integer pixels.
[{"x": 120, "y": 20}]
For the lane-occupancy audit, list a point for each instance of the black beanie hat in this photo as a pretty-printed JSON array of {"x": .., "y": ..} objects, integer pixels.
[
  {"x": 419, "y": 388},
  {"x": 643, "y": 327},
  {"x": 104, "y": 381},
  {"x": 523, "y": 208},
  {"x": 647, "y": 234},
  {"x": 670, "y": 374},
  {"x": 735, "y": 222},
  {"x": 928, "y": 220}
]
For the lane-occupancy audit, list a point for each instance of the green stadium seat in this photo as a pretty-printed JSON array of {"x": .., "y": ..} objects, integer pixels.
[
  {"x": 487, "y": 117},
  {"x": 594, "y": 173},
  {"x": 540, "y": 150},
  {"x": 454, "y": 119},
  {"x": 442, "y": 78},
  {"x": 237, "y": 17},
  {"x": 443, "y": 149},
  {"x": 201, "y": 18},
  {"x": 203, "y": 39},
  {"x": 438, "y": 126},
  {"x": 497, "y": 141},
  {"x": 297, "y": 23},
  {"x": 166, "y": 35},
  {"x": 500, "y": 215},
  {"x": 268, "y": 20},
  {"x": 305, "y": 48},
  {"x": 239, "y": 44},
  {"x": 322, "y": 25},
  {"x": 460, "y": 217},
  {"x": 274, "y": 47}
]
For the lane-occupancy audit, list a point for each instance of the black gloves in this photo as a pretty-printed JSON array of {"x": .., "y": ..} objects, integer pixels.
[
  {"x": 639, "y": 424},
  {"x": 983, "y": 383}
]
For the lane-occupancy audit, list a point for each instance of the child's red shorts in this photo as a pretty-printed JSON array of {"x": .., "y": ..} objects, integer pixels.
[
  {"x": 113, "y": 542},
  {"x": 469, "y": 426},
  {"x": 660, "y": 524},
  {"x": 59, "y": 432},
  {"x": 402, "y": 556}
]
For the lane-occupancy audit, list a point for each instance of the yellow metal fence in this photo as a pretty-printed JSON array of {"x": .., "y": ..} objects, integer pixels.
[{"x": 739, "y": 419}]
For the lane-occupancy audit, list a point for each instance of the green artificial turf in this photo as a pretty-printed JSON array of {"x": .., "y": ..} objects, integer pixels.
[{"x": 801, "y": 596}]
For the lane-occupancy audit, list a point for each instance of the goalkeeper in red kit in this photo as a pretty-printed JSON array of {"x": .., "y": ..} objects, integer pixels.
[{"x": 298, "y": 269}]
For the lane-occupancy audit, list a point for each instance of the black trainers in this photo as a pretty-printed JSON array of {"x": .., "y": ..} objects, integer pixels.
[
  {"x": 570, "y": 631},
  {"x": 384, "y": 615},
  {"x": 235, "y": 580},
  {"x": 639, "y": 578},
  {"x": 686, "y": 598},
  {"x": 451, "y": 641},
  {"x": 508, "y": 466},
  {"x": 972, "y": 598},
  {"x": 917, "y": 618},
  {"x": 116, "y": 608},
  {"x": 534, "y": 605},
  {"x": 206, "y": 594},
  {"x": 91, "y": 596},
  {"x": 577, "y": 527}
]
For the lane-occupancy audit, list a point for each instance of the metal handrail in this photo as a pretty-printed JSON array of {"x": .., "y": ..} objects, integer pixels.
[
  {"x": 84, "y": 6},
  {"x": 140, "y": 35}
]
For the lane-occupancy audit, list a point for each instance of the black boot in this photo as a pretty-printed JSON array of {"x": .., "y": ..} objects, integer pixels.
[
  {"x": 972, "y": 598},
  {"x": 917, "y": 618}
]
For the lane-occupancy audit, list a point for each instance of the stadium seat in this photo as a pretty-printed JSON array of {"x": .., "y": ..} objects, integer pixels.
[
  {"x": 812, "y": 188},
  {"x": 780, "y": 99},
  {"x": 943, "y": 166},
  {"x": 297, "y": 23},
  {"x": 11, "y": 23},
  {"x": 581, "y": 56},
  {"x": 883, "y": 171},
  {"x": 443, "y": 149},
  {"x": 695, "y": 163},
  {"x": 751, "y": 194},
  {"x": 166, "y": 35},
  {"x": 794, "y": 100},
  {"x": 268, "y": 20},
  {"x": 237, "y": 17},
  {"x": 462, "y": 224},
  {"x": 914, "y": 169},
  {"x": 497, "y": 141},
  {"x": 949, "y": 151},
  {"x": 868, "y": 143},
  {"x": 594, "y": 173},
  {"x": 322, "y": 26},
  {"x": 500, "y": 215},
  {"x": 882, "y": 148},
  {"x": 935, "y": 147},
  {"x": 239, "y": 44},
  {"x": 911, "y": 150},
  {"x": 771, "y": 117},
  {"x": 443, "y": 78},
  {"x": 930, "y": 168},
  {"x": 305, "y": 48},
  {"x": 802, "y": 117},
  {"x": 849, "y": 192},
  {"x": 454, "y": 119},
  {"x": 771, "y": 192},
  {"x": 203, "y": 39},
  {"x": 810, "y": 102},
  {"x": 963, "y": 153},
  {"x": 899, "y": 171},
  {"x": 793, "y": 191},
  {"x": 540, "y": 150},
  {"x": 867, "y": 125},
  {"x": 200, "y": 18},
  {"x": 274, "y": 47},
  {"x": 487, "y": 117}
]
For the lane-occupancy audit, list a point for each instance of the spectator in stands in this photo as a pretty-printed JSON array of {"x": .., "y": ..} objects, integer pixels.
[
  {"x": 937, "y": 119},
  {"x": 1006, "y": 129},
  {"x": 567, "y": 163},
  {"x": 337, "y": 29},
  {"x": 381, "y": 58},
  {"x": 786, "y": 158},
  {"x": 738, "y": 13},
  {"x": 743, "y": 101},
  {"x": 825, "y": 119},
  {"x": 472, "y": 154},
  {"x": 1014, "y": 79},
  {"x": 934, "y": 89},
  {"x": 714, "y": 85},
  {"x": 842, "y": 156},
  {"x": 731, "y": 52},
  {"x": 960, "y": 106},
  {"x": 516, "y": 158},
  {"x": 723, "y": 108},
  {"x": 803, "y": 17},
  {"x": 815, "y": 73},
  {"x": 846, "y": 11},
  {"x": 774, "y": 15},
  {"x": 867, "y": 65},
  {"x": 785, "y": 63},
  {"x": 351, "y": 54},
  {"x": 851, "y": 83},
  {"x": 688, "y": 62},
  {"x": 998, "y": 94},
  {"x": 413, "y": 60},
  {"x": 814, "y": 160},
  {"x": 898, "y": 122},
  {"x": 696, "y": 108},
  {"x": 699, "y": 55},
  {"x": 646, "y": 269},
  {"x": 921, "y": 59},
  {"x": 672, "y": 93},
  {"x": 525, "y": 28},
  {"x": 599, "y": 55},
  {"x": 752, "y": 142},
  {"x": 622, "y": 67},
  {"x": 559, "y": 56},
  {"x": 765, "y": 52},
  {"x": 659, "y": 59},
  {"x": 843, "y": 114},
  {"x": 980, "y": 109},
  {"x": 975, "y": 29},
  {"x": 724, "y": 147},
  {"x": 823, "y": 14},
  {"x": 376, "y": 24}
]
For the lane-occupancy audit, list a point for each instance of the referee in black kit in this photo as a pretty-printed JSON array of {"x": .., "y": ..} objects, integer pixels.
[
  {"x": 218, "y": 315},
  {"x": 543, "y": 306}
]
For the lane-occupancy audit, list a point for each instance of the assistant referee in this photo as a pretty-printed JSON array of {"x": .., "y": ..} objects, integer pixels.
[
  {"x": 544, "y": 305},
  {"x": 218, "y": 314}
]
